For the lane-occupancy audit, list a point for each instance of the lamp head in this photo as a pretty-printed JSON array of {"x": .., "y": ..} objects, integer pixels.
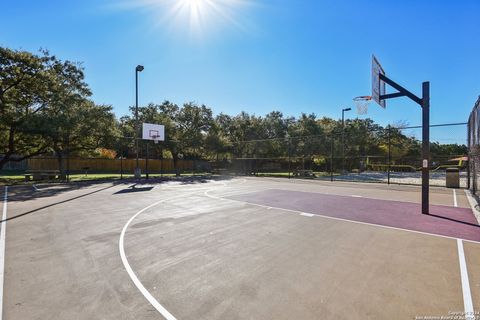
[
  {"x": 139, "y": 68},
  {"x": 347, "y": 109}
]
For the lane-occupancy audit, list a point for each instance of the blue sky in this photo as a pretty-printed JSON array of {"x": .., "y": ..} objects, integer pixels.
[{"x": 257, "y": 56}]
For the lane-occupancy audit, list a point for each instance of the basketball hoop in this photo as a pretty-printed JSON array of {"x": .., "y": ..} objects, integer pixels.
[{"x": 362, "y": 103}]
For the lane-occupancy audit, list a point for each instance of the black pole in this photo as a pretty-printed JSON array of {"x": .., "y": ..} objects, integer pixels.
[
  {"x": 389, "y": 152},
  {"x": 138, "y": 172},
  {"x": 425, "y": 146},
  {"x": 331, "y": 159},
  {"x": 289, "y": 158},
  {"x": 136, "y": 121},
  {"x": 68, "y": 158},
  {"x": 146, "y": 162},
  {"x": 121, "y": 167},
  {"x": 343, "y": 138},
  {"x": 424, "y": 102},
  {"x": 468, "y": 154},
  {"x": 343, "y": 141}
]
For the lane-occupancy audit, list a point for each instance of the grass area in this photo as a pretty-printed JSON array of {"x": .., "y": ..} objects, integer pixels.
[
  {"x": 15, "y": 177},
  {"x": 117, "y": 176},
  {"x": 11, "y": 177},
  {"x": 286, "y": 174}
]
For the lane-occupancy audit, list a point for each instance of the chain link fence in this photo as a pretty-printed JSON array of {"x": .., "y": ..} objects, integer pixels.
[
  {"x": 389, "y": 155},
  {"x": 474, "y": 147},
  {"x": 359, "y": 151}
]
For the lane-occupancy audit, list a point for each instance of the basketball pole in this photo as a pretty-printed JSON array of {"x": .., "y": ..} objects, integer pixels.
[
  {"x": 424, "y": 103},
  {"x": 425, "y": 146}
]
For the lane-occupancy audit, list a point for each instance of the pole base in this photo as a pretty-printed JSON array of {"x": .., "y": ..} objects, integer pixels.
[{"x": 137, "y": 173}]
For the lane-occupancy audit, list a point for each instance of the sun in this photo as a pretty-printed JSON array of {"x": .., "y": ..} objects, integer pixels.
[
  {"x": 197, "y": 10},
  {"x": 196, "y": 16}
]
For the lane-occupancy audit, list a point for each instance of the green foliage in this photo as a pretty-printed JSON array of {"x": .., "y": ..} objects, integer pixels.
[{"x": 44, "y": 107}]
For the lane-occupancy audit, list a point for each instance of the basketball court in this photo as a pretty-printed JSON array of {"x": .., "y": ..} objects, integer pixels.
[
  {"x": 242, "y": 248},
  {"x": 238, "y": 248}
]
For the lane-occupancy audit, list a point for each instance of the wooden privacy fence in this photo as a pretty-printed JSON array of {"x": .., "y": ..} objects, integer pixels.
[{"x": 116, "y": 165}]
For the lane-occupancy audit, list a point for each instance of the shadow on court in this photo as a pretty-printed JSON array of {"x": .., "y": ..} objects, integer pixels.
[{"x": 28, "y": 192}]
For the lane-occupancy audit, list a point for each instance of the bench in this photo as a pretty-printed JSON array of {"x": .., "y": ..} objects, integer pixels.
[
  {"x": 41, "y": 175},
  {"x": 304, "y": 173}
]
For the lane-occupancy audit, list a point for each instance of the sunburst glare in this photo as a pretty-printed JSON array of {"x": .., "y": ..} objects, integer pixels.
[{"x": 195, "y": 16}]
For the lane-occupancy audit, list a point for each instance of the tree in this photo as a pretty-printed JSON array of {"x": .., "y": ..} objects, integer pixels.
[
  {"x": 24, "y": 87},
  {"x": 79, "y": 127},
  {"x": 308, "y": 138},
  {"x": 192, "y": 126}
]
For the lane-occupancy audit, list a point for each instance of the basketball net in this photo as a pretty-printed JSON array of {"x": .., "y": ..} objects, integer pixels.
[
  {"x": 155, "y": 139},
  {"x": 362, "y": 103}
]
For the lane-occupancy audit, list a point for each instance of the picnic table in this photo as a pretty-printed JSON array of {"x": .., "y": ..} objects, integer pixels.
[{"x": 41, "y": 175}]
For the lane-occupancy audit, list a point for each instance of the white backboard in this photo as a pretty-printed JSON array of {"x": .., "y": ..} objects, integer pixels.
[
  {"x": 151, "y": 131},
  {"x": 378, "y": 86}
]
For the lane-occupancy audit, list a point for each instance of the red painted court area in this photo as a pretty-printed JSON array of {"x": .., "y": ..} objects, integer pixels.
[{"x": 442, "y": 220}]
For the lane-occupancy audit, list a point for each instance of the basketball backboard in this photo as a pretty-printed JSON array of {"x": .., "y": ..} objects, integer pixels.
[
  {"x": 378, "y": 86},
  {"x": 151, "y": 131}
]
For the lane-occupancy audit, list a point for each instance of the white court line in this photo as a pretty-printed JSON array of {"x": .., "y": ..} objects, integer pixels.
[
  {"x": 2, "y": 248},
  {"x": 473, "y": 204},
  {"x": 164, "y": 312},
  {"x": 338, "y": 219},
  {"x": 121, "y": 246},
  {"x": 307, "y": 215},
  {"x": 467, "y": 296},
  {"x": 468, "y": 305},
  {"x": 455, "y": 204}
]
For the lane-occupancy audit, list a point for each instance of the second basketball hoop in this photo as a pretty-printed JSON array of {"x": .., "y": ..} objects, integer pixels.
[
  {"x": 155, "y": 132},
  {"x": 361, "y": 103}
]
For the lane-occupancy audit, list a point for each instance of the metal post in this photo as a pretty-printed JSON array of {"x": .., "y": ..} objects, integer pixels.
[
  {"x": 331, "y": 159},
  {"x": 68, "y": 158},
  {"x": 343, "y": 138},
  {"x": 136, "y": 119},
  {"x": 425, "y": 146},
  {"x": 146, "y": 163},
  {"x": 469, "y": 143},
  {"x": 121, "y": 167},
  {"x": 138, "y": 171},
  {"x": 289, "y": 158},
  {"x": 343, "y": 141},
  {"x": 389, "y": 152},
  {"x": 424, "y": 102}
]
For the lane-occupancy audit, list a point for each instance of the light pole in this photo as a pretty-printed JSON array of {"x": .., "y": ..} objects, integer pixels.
[
  {"x": 343, "y": 137},
  {"x": 138, "y": 172}
]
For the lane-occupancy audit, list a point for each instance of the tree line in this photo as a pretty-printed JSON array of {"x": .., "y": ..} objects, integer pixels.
[{"x": 46, "y": 109}]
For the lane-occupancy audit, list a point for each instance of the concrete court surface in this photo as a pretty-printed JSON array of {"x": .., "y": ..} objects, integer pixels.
[{"x": 238, "y": 249}]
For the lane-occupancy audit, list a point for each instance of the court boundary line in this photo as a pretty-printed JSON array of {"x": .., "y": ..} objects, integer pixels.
[
  {"x": 352, "y": 182},
  {"x": 341, "y": 219},
  {"x": 3, "y": 230},
  {"x": 146, "y": 294},
  {"x": 455, "y": 203},
  {"x": 121, "y": 246},
  {"x": 161, "y": 309},
  {"x": 473, "y": 204},
  {"x": 466, "y": 292}
]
